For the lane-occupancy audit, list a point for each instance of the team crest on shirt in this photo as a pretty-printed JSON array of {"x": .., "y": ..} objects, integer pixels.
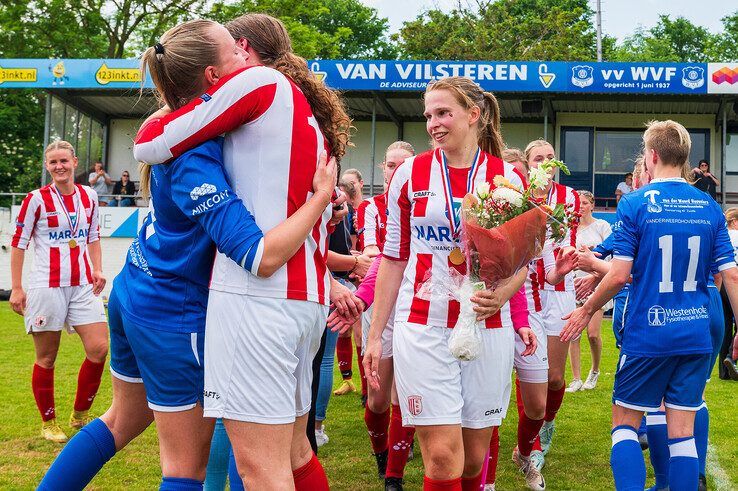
[
  {"x": 415, "y": 405},
  {"x": 653, "y": 206},
  {"x": 40, "y": 321}
]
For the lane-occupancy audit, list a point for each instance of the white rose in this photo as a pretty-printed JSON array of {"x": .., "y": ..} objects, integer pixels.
[
  {"x": 508, "y": 195},
  {"x": 483, "y": 190}
]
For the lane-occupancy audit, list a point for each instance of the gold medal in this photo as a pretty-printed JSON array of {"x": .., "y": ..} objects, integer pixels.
[
  {"x": 456, "y": 256},
  {"x": 72, "y": 244}
]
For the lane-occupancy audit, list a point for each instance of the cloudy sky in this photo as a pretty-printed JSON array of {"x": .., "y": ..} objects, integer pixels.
[{"x": 617, "y": 15}]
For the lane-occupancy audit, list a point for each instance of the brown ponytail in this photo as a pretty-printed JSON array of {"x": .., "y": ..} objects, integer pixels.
[
  {"x": 177, "y": 67},
  {"x": 269, "y": 38},
  {"x": 469, "y": 94}
]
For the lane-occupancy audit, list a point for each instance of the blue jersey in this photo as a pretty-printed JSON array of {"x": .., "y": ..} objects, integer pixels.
[
  {"x": 164, "y": 283},
  {"x": 675, "y": 235},
  {"x": 605, "y": 251}
]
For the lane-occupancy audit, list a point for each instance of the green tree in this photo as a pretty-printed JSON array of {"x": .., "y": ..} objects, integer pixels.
[
  {"x": 669, "y": 40},
  {"x": 321, "y": 28},
  {"x": 503, "y": 30}
]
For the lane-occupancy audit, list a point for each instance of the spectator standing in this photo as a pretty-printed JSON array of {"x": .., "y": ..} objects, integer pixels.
[
  {"x": 100, "y": 181},
  {"x": 624, "y": 187},
  {"x": 704, "y": 180},
  {"x": 124, "y": 191}
]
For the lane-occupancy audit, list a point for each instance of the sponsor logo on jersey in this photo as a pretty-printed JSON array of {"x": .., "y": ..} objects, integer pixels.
[
  {"x": 428, "y": 233},
  {"x": 657, "y": 316},
  {"x": 202, "y": 190},
  {"x": 205, "y": 97},
  {"x": 211, "y": 202},
  {"x": 415, "y": 405},
  {"x": 490, "y": 412},
  {"x": 210, "y": 394},
  {"x": 52, "y": 213},
  {"x": 582, "y": 75},
  {"x": 67, "y": 234},
  {"x": 653, "y": 206},
  {"x": 20, "y": 224},
  {"x": 693, "y": 77},
  {"x": 423, "y": 194}
]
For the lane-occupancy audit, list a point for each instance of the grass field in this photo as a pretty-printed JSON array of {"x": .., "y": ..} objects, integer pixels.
[{"x": 579, "y": 459}]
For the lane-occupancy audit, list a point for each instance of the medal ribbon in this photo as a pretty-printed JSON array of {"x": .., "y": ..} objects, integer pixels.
[
  {"x": 73, "y": 224},
  {"x": 455, "y": 223}
]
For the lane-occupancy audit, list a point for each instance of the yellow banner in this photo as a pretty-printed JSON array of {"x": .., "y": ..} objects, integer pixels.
[
  {"x": 17, "y": 74},
  {"x": 106, "y": 75}
]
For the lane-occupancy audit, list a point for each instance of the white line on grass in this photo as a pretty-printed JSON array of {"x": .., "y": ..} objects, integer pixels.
[{"x": 720, "y": 479}]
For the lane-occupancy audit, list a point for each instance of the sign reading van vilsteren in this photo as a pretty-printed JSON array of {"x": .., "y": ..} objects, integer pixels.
[{"x": 394, "y": 75}]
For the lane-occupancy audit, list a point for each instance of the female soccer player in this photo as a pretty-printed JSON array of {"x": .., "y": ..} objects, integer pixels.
[
  {"x": 62, "y": 221},
  {"x": 556, "y": 300},
  {"x": 591, "y": 232},
  {"x": 263, "y": 333},
  {"x": 453, "y": 405},
  {"x": 159, "y": 340}
]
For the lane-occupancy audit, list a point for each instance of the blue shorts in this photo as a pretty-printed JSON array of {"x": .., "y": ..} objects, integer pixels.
[
  {"x": 169, "y": 364},
  {"x": 642, "y": 382},
  {"x": 717, "y": 328},
  {"x": 618, "y": 312}
]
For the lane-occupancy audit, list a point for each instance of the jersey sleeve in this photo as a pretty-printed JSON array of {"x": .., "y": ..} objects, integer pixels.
[
  {"x": 235, "y": 100},
  {"x": 370, "y": 225},
  {"x": 397, "y": 240},
  {"x": 25, "y": 222},
  {"x": 605, "y": 248},
  {"x": 201, "y": 191},
  {"x": 723, "y": 256},
  {"x": 365, "y": 291},
  {"x": 519, "y": 309},
  {"x": 93, "y": 234},
  {"x": 549, "y": 257},
  {"x": 626, "y": 235},
  {"x": 572, "y": 200}
]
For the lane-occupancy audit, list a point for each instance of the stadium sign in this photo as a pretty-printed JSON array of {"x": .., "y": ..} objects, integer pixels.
[{"x": 393, "y": 75}]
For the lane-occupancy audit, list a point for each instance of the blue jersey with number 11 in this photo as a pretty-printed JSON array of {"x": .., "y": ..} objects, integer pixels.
[{"x": 675, "y": 235}]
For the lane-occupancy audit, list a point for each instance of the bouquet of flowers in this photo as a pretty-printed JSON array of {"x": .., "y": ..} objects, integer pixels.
[{"x": 504, "y": 229}]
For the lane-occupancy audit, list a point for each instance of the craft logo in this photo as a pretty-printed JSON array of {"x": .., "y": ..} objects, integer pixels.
[
  {"x": 320, "y": 75},
  {"x": 693, "y": 77},
  {"x": 725, "y": 76},
  {"x": 582, "y": 75},
  {"x": 653, "y": 207},
  {"x": 415, "y": 405},
  {"x": 657, "y": 316},
  {"x": 106, "y": 75},
  {"x": 546, "y": 77}
]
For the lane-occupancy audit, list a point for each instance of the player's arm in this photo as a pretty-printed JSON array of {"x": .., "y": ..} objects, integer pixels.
[
  {"x": 17, "y": 294},
  {"x": 93, "y": 245},
  {"x": 557, "y": 268},
  {"x": 520, "y": 319},
  {"x": 234, "y": 100},
  {"x": 25, "y": 224}
]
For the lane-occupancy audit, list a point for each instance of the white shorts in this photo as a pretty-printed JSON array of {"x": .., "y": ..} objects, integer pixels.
[
  {"x": 534, "y": 368},
  {"x": 434, "y": 388},
  {"x": 386, "y": 334},
  {"x": 555, "y": 306},
  {"x": 54, "y": 309},
  {"x": 258, "y": 357}
]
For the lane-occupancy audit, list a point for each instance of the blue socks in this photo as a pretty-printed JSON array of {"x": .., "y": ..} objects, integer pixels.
[
  {"x": 642, "y": 429},
  {"x": 233, "y": 475},
  {"x": 179, "y": 484},
  {"x": 626, "y": 460},
  {"x": 81, "y": 459},
  {"x": 658, "y": 447},
  {"x": 701, "y": 430},
  {"x": 683, "y": 464}
]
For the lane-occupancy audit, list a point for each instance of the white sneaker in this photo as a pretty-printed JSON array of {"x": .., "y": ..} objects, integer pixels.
[
  {"x": 489, "y": 487},
  {"x": 533, "y": 477},
  {"x": 320, "y": 437},
  {"x": 538, "y": 459},
  {"x": 574, "y": 386},
  {"x": 546, "y": 434},
  {"x": 591, "y": 382}
]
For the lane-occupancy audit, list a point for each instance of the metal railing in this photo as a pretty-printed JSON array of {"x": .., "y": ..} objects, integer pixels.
[{"x": 12, "y": 199}]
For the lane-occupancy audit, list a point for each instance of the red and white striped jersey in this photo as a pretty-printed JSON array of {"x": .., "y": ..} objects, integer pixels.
[
  {"x": 533, "y": 281},
  {"x": 419, "y": 232},
  {"x": 270, "y": 156},
  {"x": 42, "y": 220},
  {"x": 559, "y": 195},
  {"x": 371, "y": 222}
]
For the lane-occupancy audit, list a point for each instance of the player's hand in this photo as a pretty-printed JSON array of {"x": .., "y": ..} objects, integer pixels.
[
  {"x": 326, "y": 173},
  {"x": 344, "y": 301},
  {"x": 567, "y": 261},
  {"x": 340, "y": 209},
  {"x": 372, "y": 355},
  {"x": 577, "y": 322},
  {"x": 18, "y": 300},
  {"x": 343, "y": 322},
  {"x": 362, "y": 267},
  {"x": 98, "y": 282},
  {"x": 529, "y": 338},
  {"x": 586, "y": 259},
  {"x": 487, "y": 302},
  {"x": 586, "y": 285}
]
